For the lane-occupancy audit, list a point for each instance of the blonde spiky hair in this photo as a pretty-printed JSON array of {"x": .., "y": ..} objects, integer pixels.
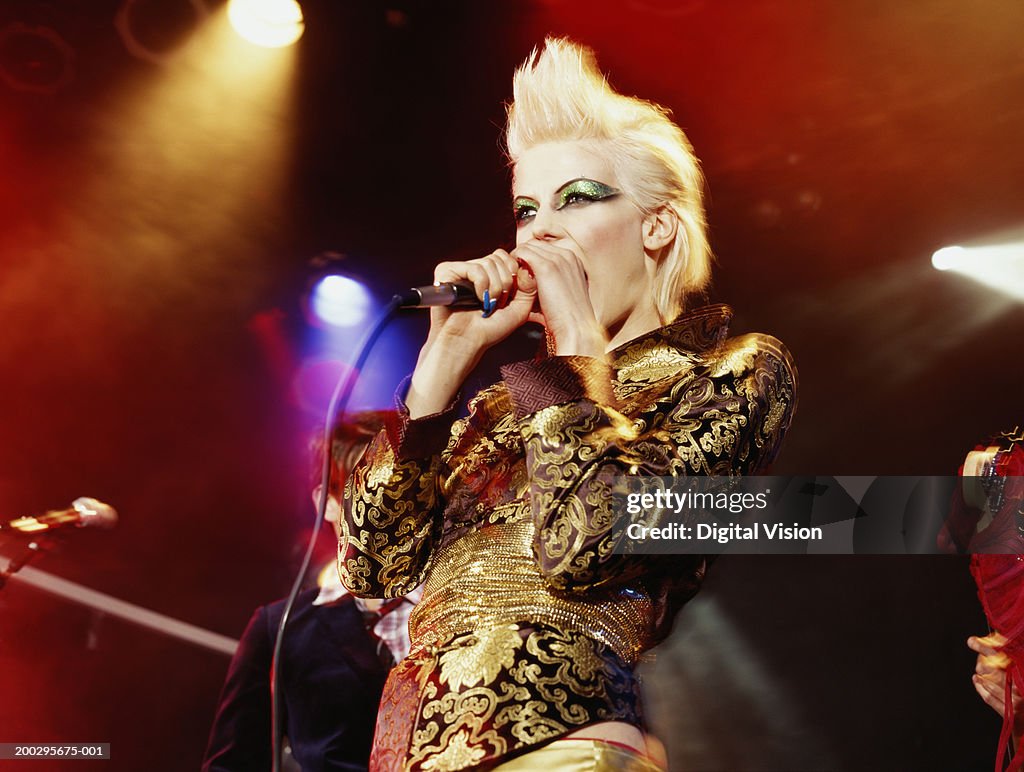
[{"x": 559, "y": 94}]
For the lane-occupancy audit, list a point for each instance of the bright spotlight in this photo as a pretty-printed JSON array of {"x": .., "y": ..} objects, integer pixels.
[
  {"x": 340, "y": 301},
  {"x": 947, "y": 257},
  {"x": 998, "y": 266},
  {"x": 267, "y": 23}
]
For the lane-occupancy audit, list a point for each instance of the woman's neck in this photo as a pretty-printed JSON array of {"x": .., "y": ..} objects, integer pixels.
[{"x": 639, "y": 322}]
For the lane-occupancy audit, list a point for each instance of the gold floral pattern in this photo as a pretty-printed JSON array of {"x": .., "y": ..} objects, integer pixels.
[
  {"x": 480, "y": 658},
  {"x": 457, "y": 755}
]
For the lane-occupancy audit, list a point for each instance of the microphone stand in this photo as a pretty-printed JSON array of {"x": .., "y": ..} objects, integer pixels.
[{"x": 32, "y": 550}]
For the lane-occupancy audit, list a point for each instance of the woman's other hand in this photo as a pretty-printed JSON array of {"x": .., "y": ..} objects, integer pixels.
[{"x": 564, "y": 305}]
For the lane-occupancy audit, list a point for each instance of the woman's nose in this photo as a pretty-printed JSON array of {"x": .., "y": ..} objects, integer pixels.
[{"x": 545, "y": 225}]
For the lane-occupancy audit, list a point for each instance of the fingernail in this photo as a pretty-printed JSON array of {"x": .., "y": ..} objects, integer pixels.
[{"x": 489, "y": 305}]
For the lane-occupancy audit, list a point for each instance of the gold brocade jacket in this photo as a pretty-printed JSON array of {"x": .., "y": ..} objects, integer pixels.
[{"x": 530, "y": 625}]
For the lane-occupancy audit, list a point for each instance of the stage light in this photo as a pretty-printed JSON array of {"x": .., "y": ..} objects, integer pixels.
[
  {"x": 998, "y": 266},
  {"x": 947, "y": 257},
  {"x": 268, "y": 23},
  {"x": 340, "y": 301},
  {"x": 186, "y": 168}
]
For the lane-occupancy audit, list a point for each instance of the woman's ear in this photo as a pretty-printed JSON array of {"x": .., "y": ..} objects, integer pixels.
[{"x": 659, "y": 228}]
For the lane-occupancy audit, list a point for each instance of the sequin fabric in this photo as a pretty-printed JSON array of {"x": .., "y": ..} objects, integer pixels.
[{"x": 530, "y": 624}]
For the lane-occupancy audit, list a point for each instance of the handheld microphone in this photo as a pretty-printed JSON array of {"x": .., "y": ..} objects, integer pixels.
[
  {"x": 84, "y": 512},
  {"x": 447, "y": 293}
]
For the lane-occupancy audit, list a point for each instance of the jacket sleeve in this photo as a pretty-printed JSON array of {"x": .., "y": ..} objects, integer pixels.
[
  {"x": 240, "y": 735},
  {"x": 726, "y": 416},
  {"x": 391, "y": 514}
]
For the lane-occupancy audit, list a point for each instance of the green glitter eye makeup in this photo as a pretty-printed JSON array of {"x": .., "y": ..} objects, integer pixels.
[
  {"x": 523, "y": 208},
  {"x": 578, "y": 191},
  {"x": 582, "y": 189}
]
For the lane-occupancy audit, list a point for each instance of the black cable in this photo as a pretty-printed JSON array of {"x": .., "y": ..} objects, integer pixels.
[{"x": 339, "y": 401}]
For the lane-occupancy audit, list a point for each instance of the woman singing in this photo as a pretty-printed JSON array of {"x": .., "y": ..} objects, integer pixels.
[{"x": 525, "y": 641}]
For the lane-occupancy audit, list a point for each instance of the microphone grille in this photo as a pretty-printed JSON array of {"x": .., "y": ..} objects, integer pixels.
[{"x": 95, "y": 514}]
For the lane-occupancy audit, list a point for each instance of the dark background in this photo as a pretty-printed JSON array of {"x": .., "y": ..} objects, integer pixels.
[{"x": 160, "y": 223}]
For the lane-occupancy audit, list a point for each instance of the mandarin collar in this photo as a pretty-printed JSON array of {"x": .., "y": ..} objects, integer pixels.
[
  {"x": 665, "y": 351},
  {"x": 695, "y": 331}
]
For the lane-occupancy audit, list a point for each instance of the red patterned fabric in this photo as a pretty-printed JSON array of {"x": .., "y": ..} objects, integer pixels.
[{"x": 555, "y": 381}]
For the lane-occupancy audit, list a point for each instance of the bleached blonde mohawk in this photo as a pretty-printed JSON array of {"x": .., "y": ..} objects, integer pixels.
[{"x": 559, "y": 94}]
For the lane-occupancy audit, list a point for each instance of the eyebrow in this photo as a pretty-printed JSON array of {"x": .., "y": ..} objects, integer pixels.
[{"x": 575, "y": 180}]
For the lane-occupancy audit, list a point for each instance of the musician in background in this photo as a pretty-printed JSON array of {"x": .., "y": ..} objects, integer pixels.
[{"x": 336, "y": 655}]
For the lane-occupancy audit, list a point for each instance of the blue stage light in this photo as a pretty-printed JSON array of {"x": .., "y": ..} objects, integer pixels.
[{"x": 340, "y": 301}]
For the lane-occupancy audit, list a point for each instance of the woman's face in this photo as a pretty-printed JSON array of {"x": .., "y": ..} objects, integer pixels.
[{"x": 567, "y": 193}]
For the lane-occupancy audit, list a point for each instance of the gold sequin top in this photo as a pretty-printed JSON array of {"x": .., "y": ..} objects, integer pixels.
[{"x": 530, "y": 624}]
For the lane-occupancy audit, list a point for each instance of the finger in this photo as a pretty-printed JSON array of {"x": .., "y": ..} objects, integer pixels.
[
  {"x": 471, "y": 271},
  {"x": 559, "y": 249},
  {"x": 994, "y": 682},
  {"x": 509, "y": 263},
  {"x": 526, "y": 279},
  {"x": 508, "y": 268},
  {"x": 549, "y": 265},
  {"x": 477, "y": 273},
  {"x": 498, "y": 280},
  {"x": 993, "y": 639},
  {"x": 989, "y": 699},
  {"x": 539, "y": 253},
  {"x": 453, "y": 271},
  {"x": 987, "y": 645},
  {"x": 512, "y": 290},
  {"x": 993, "y": 693},
  {"x": 558, "y": 256}
]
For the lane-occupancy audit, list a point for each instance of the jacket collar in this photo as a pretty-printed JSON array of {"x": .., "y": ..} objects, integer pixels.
[{"x": 666, "y": 350}]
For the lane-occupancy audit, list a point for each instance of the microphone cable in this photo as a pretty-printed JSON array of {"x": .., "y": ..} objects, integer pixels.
[{"x": 339, "y": 401}]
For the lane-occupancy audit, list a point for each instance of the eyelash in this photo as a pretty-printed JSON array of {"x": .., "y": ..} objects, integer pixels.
[
  {"x": 577, "y": 197},
  {"x": 523, "y": 213}
]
